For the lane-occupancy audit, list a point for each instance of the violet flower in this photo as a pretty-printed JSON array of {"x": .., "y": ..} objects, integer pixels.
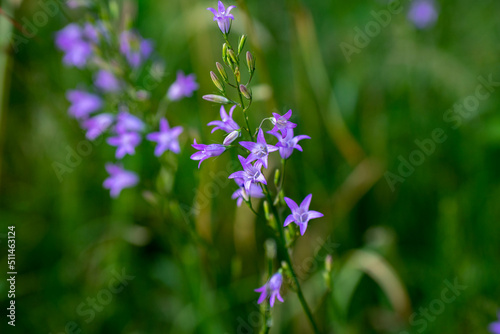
[
  {"x": 119, "y": 179},
  {"x": 223, "y": 17},
  {"x": 227, "y": 123},
  {"x": 288, "y": 143},
  {"x": 128, "y": 122},
  {"x": 423, "y": 13},
  {"x": 183, "y": 86},
  {"x": 206, "y": 151},
  {"x": 125, "y": 142},
  {"x": 282, "y": 123},
  {"x": 76, "y": 49},
  {"x": 494, "y": 327},
  {"x": 301, "y": 215},
  {"x": 135, "y": 48},
  {"x": 166, "y": 138},
  {"x": 82, "y": 103},
  {"x": 260, "y": 150},
  {"x": 271, "y": 289},
  {"x": 241, "y": 194},
  {"x": 106, "y": 81},
  {"x": 96, "y": 125},
  {"x": 250, "y": 173}
]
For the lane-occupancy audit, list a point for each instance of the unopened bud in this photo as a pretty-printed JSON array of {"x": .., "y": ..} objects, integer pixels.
[
  {"x": 241, "y": 44},
  {"x": 225, "y": 56},
  {"x": 277, "y": 175},
  {"x": 245, "y": 92},
  {"x": 266, "y": 210},
  {"x": 222, "y": 71},
  {"x": 237, "y": 73},
  {"x": 231, "y": 137},
  {"x": 232, "y": 55},
  {"x": 328, "y": 262},
  {"x": 216, "y": 81},
  {"x": 250, "y": 62},
  {"x": 216, "y": 99}
]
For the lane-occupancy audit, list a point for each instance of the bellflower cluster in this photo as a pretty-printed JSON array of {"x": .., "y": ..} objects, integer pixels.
[
  {"x": 258, "y": 157},
  {"x": 112, "y": 105}
]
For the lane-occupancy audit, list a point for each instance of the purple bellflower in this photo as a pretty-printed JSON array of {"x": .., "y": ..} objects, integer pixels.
[
  {"x": 282, "y": 123},
  {"x": 494, "y": 327},
  {"x": 241, "y": 194},
  {"x": 82, "y": 103},
  {"x": 423, "y": 13},
  {"x": 227, "y": 123},
  {"x": 71, "y": 40},
  {"x": 119, "y": 179},
  {"x": 288, "y": 143},
  {"x": 135, "y": 48},
  {"x": 301, "y": 214},
  {"x": 166, "y": 138},
  {"x": 250, "y": 173},
  {"x": 271, "y": 289},
  {"x": 223, "y": 17},
  {"x": 107, "y": 82},
  {"x": 206, "y": 151},
  {"x": 128, "y": 122},
  {"x": 125, "y": 142},
  {"x": 96, "y": 125},
  {"x": 183, "y": 86},
  {"x": 260, "y": 150}
]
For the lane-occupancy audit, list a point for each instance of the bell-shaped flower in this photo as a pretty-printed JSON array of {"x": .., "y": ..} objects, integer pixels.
[
  {"x": 260, "y": 150},
  {"x": 301, "y": 214},
  {"x": 288, "y": 143},
  {"x": 271, "y": 289},
  {"x": 206, "y": 151},
  {"x": 167, "y": 138},
  {"x": 119, "y": 179},
  {"x": 223, "y": 16},
  {"x": 250, "y": 173}
]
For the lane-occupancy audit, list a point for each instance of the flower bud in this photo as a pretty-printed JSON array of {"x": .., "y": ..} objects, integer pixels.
[
  {"x": 232, "y": 56},
  {"x": 241, "y": 44},
  {"x": 225, "y": 56},
  {"x": 231, "y": 137},
  {"x": 250, "y": 62},
  {"x": 277, "y": 175},
  {"x": 222, "y": 71},
  {"x": 237, "y": 73},
  {"x": 266, "y": 210},
  {"x": 216, "y": 81},
  {"x": 245, "y": 92},
  {"x": 216, "y": 99}
]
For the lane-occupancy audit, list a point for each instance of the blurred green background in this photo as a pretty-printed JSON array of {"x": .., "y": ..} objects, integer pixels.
[{"x": 395, "y": 250}]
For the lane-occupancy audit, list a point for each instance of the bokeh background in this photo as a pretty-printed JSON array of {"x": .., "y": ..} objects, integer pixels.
[{"x": 395, "y": 250}]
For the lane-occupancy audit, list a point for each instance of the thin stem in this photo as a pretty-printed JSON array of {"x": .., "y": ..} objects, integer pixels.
[{"x": 288, "y": 260}]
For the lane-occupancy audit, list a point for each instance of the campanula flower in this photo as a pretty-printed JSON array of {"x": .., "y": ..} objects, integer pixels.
[
  {"x": 96, "y": 125},
  {"x": 125, "y": 142},
  {"x": 250, "y": 173},
  {"x": 166, "y": 138},
  {"x": 260, "y": 150},
  {"x": 282, "y": 123},
  {"x": 226, "y": 123},
  {"x": 223, "y": 17},
  {"x": 119, "y": 179},
  {"x": 271, "y": 289},
  {"x": 106, "y": 81},
  {"x": 82, "y": 103},
  {"x": 494, "y": 327},
  {"x": 135, "y": 48},
  {"x": 241, "y": 194},
  {"x": 288, "y": 143},
  {"x": 206, "y": 151},
  {"x": 301, "y": 214},
  {"x": 183, "y": 86},
  {"x": 128, "y": 122},
  {"x": 423, "y": 13},
  {"x": 77, "y": 49}
]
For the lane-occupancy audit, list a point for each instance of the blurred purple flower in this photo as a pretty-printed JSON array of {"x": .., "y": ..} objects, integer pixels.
[
  {"x": 271, "y": 289},
  {"x": 128, "y": 122},
  {"x": 227, "y": 123},
  {"x": 166, "y": 138},
  {"x": 288, "y": 143},
  {"x": 90, "y": 32},
  {"x": 241, "y": 194},
  {"x": 223, "y": 17},
  {"x": 76, "y": 49},
  {"x": 301, "y": 215},
  {"x": 106, "y": 81},
  {"x": 184, "y": 86},
  {"x": 135, "y": 48},
  {"x": 282, "y": 123},
  {"x": 250, "y": 173},
  {"x": 82, "y": 103},
  {"x": 119, "y": 179},
  {"x": 96, "y": 125},
  {"x": 423, "y": 13},
  {"x": 494, "y": 327},
  {"x": 260, "y": 150},
  {"x": 125, "y": 142},
  {"x": 206, "y": 151}
]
